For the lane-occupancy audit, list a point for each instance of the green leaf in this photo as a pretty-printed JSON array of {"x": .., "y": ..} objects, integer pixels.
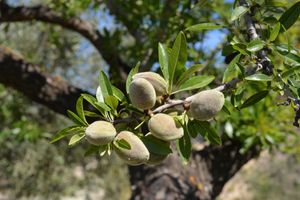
[
  {"x": 254, "y": 98},
  {"x": 105, "y": 85},
  {"x": 184, "y": 147},
  {"x": 102, "y": 107},
  {"x": 290, "y": 16},
  {"x": 194, "y": 128},
  {"x": 259, "y": 77},
  {"x": 195, "y": 82},
  {"x": 232, "y": 69},
  {"x": 122, "y": 144},
  {"x": 274, "y": 32},
  {"x": 91, "y": 114},
  {"x": 76, "y": 138},
  {"x": 255, "y": 45},
  {"x": 226, "y": 110},
  {"x": 290, "y": 71},
  {"x": 91, "y": 150},
  {"x": 119, "y": 94},
  {"x": 79, "y": 108},
  {"x": 163, "y": 60},
  {"x": 238, "y": 12},
  {"x": 188, "y": 73},
  {"x": 65, "y": 132},
  {"x": 210, "y": 133},
  {"x": 76, "y": 119},
  {"x": 204, "y": 26},
  {"x": 178, "y": 58},
  {"x": 132, "y": 72},
  {"x": 99, "y": 95},
  {"x": 156, "y": 146},
  {"x": 242, "y": 48},
  {"x": 286, "y": 52},
  {"x": 112, "y": 102}
]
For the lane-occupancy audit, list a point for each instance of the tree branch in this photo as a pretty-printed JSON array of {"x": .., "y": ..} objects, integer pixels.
[
  {"x": 52, "y": 92},
  {"x": 86, "y": 29}
]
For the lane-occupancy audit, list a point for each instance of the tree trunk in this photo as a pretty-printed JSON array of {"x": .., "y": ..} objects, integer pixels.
[{"x": 203, "y": 178}]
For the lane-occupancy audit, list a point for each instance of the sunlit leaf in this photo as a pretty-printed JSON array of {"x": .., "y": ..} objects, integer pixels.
[
  {"x": 66, "y": 131},
  {"x": 132, "y": 72},
  {"x": 259, "y": 77},
  {"x": 195, "y": 82},
  {"x": 204, "y": 26},
  {"x": 76, "y": 119},
  {"x": 163, "y": 60},
  {"x": 238, "y": 12},
  {"x": 188, "y": 73},
  {"x": 255, "y": 45},
  {"x": 178, "y": 58},
  {"x": 76, "y": 138}
]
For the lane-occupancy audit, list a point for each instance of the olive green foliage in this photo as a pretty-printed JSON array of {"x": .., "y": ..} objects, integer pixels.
[
  {"x": 253, "y": 87},
  {"x": 173, "y": 34}
]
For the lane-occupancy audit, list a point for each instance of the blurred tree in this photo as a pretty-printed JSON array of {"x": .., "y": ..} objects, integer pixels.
[{"x": 125, "y": 32}]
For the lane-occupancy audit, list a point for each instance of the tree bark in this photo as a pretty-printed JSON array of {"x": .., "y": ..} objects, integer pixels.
[
  {"x": 203, "y": 178},
  {"x": 41, "y": 13},
  {"x": 53, "y": 92}
]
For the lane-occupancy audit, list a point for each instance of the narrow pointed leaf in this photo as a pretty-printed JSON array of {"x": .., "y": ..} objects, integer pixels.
[
  {"x": 195, "y": 82},
  {"x": 79, "y": 109},
  {"x": 259, "y": 77},
  {"x": 163, "y": 60},
  {"x": 132, "y": 72},
  {"x": 232, "y": 69},
  {"x": 290, "y": 16},
  {"x": 255, "y": 45},
  {"x": 65, "y": 132},
  {"x": 178, "y": 58},
  {"x": 184, "y": 147},
  {"x": 105, "y": 85},
  {"x": 238, "y": 12},
  {"x": 76, "y": 138},
  {"x": 75, "y": 118},
  {"x": 119, "y": 94},
  {"x": 274, "y": 32},
  {"x": 255, "y": 98},
  {"x": 210, "y": 133},
  {"x": 122, "y": 144},
  {"x": 204, "y": 26},
  {"x": 188, "y": 73}
]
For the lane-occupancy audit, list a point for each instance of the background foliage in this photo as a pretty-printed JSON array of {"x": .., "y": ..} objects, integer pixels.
[{"x": 26, "y": 127}]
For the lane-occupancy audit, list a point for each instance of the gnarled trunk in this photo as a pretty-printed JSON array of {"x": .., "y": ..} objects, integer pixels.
[{"x": 203, "y": 177}]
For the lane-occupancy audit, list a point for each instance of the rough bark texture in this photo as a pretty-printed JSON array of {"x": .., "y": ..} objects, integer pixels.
[
  {"x": 86, "y": 29},
  {"x": 53, "y": 92},
  {"x": 203, "y": 178}
]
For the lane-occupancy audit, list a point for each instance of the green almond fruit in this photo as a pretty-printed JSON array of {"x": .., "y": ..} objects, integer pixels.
[
  {"x": 165, "y": 127},
  {"x": 100, "y": 133},
  {"x": 142, "y": 94},
  {"x": 158, "y": 82},
  {"x": 135, "y": 153},
  {"x": 206, "y": 104}
]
